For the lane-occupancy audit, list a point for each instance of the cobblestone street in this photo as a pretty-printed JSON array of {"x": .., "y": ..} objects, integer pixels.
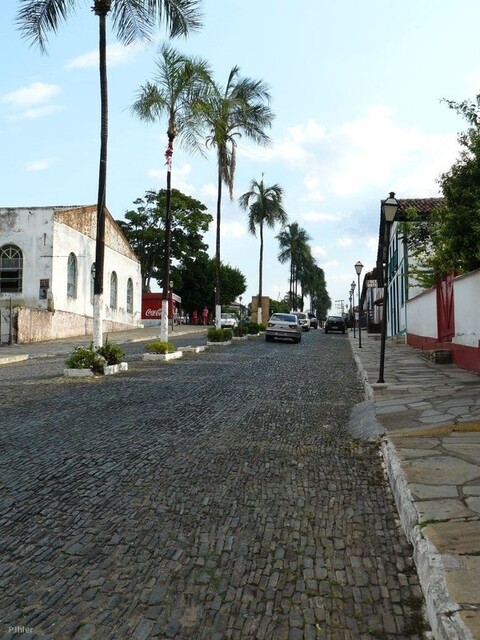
[{"x": 217, "y": 497}]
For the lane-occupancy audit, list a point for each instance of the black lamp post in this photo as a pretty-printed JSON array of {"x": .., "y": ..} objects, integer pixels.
[
  {"x": 358, "y": 269},
  {"x": 389, "y": 210},
  {"x": 352, "y": 289}
]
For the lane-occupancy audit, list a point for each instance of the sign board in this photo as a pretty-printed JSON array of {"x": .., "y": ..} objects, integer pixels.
[
  {"x": 152, "y": 305},
  {"x": 372, "y": 283}
]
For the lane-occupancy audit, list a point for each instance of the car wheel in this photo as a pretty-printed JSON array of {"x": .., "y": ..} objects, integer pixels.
[
  {"x": 268, "y": 338},
  {"x": 326, "y": 331},
  {"x": 343, "y": 332}
]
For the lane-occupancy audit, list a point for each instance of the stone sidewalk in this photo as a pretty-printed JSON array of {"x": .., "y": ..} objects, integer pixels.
[{"x": 428, "y": 416}]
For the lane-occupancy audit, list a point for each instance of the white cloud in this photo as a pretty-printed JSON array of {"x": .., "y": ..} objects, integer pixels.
[
  {"x": 37, "y": 93},
  {"x": 345, "y": 241},
  {"x": 33, "y": 114},
  {"x": 117, "y": 54},
  {"x": 318, "y": 216},
  {"x": 319, "y": 252},
  {"x": 40, "y": 165},
  {"x": 232, "y": 229}
]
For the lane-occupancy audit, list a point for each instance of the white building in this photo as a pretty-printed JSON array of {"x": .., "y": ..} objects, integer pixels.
[{"x": 46, "y": 281}]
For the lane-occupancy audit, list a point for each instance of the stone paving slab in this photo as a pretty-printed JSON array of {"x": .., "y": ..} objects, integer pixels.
[{"x": 431, "y": 426}]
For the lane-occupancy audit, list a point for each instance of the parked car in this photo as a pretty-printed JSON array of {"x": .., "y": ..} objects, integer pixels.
[
  {"x": 228, "y": 321},
  {"x": 313, "y": 321},
  {"x": 335, "y": 323},
  {"x": 303, "y": 320},
  {"x": 284, "y": 326}
]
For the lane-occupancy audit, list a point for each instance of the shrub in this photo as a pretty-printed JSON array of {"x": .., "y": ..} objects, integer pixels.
[
  {"x": 239, "y": 331},
  {"x": 86, "y": 358},
  {"x": 112, "y": 353},
  {"x": 219, "y": 335},
  {"x": 159, "y": 346},
  {"x": 253, "y": 328}
]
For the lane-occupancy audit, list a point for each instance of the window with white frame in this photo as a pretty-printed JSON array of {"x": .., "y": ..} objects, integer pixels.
[
  {"x": 113, "y": 290},
  {"x": 129, "y": 296},
  {"x": 72, "y": 274},
  {"x": 11, "y": 269}
]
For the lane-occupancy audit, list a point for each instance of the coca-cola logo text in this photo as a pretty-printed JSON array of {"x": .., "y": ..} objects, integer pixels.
[{"x": 153, "y": 312}]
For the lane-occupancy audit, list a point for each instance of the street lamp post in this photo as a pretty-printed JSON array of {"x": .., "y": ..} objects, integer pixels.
[
  {"x": 389, "y": 210},
  {"x": 358, "y": 269},
  {"x": 352, "y": 289},
  {"x": 241, "y": 325}
]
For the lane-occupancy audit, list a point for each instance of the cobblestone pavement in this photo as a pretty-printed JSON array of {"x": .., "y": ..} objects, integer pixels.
[{"x": 216, "y": 497}]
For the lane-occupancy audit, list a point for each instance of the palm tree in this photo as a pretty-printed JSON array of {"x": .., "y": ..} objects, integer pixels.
[
  {"x": 238, "y": 109},
  {"x": 294, "y": 247},
  {"x": 179, "y": 84},
  {"x": 265, "y": 208},
  {"x": 132, "y": 20}
]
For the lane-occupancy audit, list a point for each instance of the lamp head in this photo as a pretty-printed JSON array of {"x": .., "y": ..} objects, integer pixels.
[
  {"x": 390, "y": 207},
  {"x": 358, "y": 267}
]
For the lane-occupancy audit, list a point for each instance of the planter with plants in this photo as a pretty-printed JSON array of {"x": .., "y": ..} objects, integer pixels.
[
  {"x": 219, "y": 336},
  {"x": 88, "y": 361},
  {"x": 254, "y": 329},
  {"x": 240, "y": 332},
  {"x": 161, "y": 350}
]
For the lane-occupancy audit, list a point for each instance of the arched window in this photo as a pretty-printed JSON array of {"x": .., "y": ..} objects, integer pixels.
[
  {"x": 129, "y": 296},
  {"x": 113, "y": 290},
  {"x": 11, "y": 269},
  {"x": 72, "y": 272}
]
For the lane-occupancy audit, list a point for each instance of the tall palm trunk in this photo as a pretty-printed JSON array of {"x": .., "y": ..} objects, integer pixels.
[
  {"x": 260, "y": 270},
  {"x": 218, "y": 306},
  {"x": 168, "y": 236},
  {"x": 98, "y": 312}
]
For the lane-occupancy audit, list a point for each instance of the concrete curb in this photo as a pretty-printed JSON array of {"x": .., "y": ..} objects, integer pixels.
[{"x": 11, "y": 359}]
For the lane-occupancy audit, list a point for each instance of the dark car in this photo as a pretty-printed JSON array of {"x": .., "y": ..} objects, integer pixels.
[
  {"x": 335, "y": 323},
  {"x": 313, "y": 321}
]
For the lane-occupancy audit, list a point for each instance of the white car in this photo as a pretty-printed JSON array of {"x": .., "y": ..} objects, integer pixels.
[
  {"x": 228, "y": 321},
  {"x": 303, "y": 320},
  {"x": 283, "y": 325}
]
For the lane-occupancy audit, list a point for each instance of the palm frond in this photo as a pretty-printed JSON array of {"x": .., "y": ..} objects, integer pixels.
[{"x": 36, "y": 18}]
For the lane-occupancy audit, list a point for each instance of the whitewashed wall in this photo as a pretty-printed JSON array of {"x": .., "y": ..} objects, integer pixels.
[
  {"x": 31, "y": 230},
  {"x": 467, "y": 309},
  {"x": 422, "y": 314}
]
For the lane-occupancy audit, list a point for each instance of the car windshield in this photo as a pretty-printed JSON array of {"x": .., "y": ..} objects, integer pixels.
[
  {"x": 227, "y": 315},
  {"x": 336, "y": 318},
  {"x": 283, "y": 317},
  {"x": 300, "y": 315}
]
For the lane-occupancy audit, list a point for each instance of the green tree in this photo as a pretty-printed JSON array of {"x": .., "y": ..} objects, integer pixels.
[
  {"x": 179, "y": 83},
  {"x": 132, "y": 20},
  {"x": 195, "y": 282},
  {"x": 294, "y": 248},
  {"x": 238, "y": 109},
  {"x": 144, "y": 228},
  {"x": 265, "y": 204},
  {"x": 448, "y": 240}
]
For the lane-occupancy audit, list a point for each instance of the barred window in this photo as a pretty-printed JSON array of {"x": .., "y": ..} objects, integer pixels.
[
  {"x": 72, "y": 272},
  {"x": 11, "y": 269},
  {"x": 113, "y": 290},
  {"x": 129, "y": 296}
]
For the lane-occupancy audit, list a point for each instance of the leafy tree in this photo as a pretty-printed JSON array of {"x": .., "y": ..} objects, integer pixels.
[
  {"x": 179, "y": 83},
  {"x": 279, "y": 306},
  {"x": 294, "y": 248},
  {"x": 195, "y": 282},
  {"x": 144, "y": 228},
  {"x": 448, "y": 240},
  {"x": 265, "y": 208},
  {"x": 238, "y": 109},
  {"x": 132, "y": 20}
]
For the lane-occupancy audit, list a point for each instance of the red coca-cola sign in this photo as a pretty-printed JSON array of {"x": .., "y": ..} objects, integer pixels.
[{"x": 152, "y": 305}]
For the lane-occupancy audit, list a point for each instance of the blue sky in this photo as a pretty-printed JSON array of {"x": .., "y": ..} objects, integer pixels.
[{"x": 356, "y": 89}]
